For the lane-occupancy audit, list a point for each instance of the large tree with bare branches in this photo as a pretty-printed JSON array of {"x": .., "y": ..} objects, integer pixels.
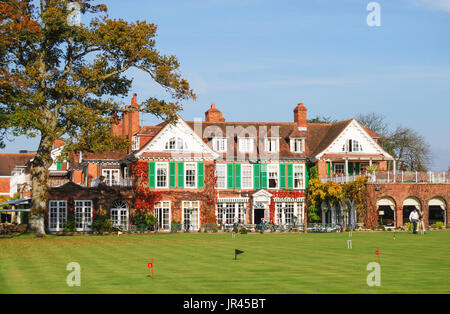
[{"x": 60, "y": 79}]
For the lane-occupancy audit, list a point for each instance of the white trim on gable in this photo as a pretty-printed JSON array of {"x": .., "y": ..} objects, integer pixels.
[
  {"x": 357, "y": 132},
  {"x": 180, "y": 129}
]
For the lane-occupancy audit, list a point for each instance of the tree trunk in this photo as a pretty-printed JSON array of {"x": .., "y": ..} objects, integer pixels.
[{"x": 39, "y": 178}]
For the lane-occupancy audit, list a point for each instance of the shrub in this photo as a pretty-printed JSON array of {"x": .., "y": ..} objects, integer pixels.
[
  {"x": 439, "y": 225},
  {"x": 175, "y": 226},
  {"x": 243, "y": 231},
  {"x": 215, "y": 230},
  {"x": 102, "y": 224},
  {"x": 70, "y": 225},
  {"x": 144, "y": 220}
]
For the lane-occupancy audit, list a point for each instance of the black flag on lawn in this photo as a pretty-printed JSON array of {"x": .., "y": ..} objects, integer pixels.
[{"x": 237, "y": 252}]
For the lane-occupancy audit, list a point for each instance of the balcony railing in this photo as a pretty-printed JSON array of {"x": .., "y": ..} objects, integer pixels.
[
  {"x": 398, "y": 177},
  {"x": 117, "y": 182}
]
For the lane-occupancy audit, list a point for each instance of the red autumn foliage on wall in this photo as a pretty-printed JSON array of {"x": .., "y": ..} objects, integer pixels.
[{"x": 282, "y": 194}]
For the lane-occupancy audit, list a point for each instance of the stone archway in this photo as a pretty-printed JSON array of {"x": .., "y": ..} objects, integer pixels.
[
  {"x": 437, "y": 210},
  {"x": 409, "y": 204},
  {"x": 386, "y": 212}
]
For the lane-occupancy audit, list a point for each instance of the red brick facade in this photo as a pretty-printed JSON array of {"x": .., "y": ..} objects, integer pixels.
[{"x": 399, "y": 192}]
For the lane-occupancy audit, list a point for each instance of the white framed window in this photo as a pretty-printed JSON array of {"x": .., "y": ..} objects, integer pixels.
[
  {"x": 272, "y": 144},
  {"x": 112, "y": 176},
  {"x": 83, "y": 215},
  {"x": 246, "y": 144},
  {"x": 162, "y": 175},
  {"x": 273, "y": 176},
  {"x": 162, "y": 213},
  {"x": 135, "y": 143},
  {"x": 352, "y": 146},
  {"x": 247, "y": 176},
  {"x": 120, "y": 215},
  {"x": 221, "y": 173},
  {"x": 220, "y": 144},
  {"x": 299, "y": 176},
  {"x": 285, "y": 213},
  {"x": 176, "y": 143},
  {"x": 191, "y": 215},
  {"x": 297, "y": 145},
  {"x": 57, "y": 215},
  {"x": 230, "y": 213},
  {"x": 339, "y": 168},
  {"x": 190, "y": 174}
]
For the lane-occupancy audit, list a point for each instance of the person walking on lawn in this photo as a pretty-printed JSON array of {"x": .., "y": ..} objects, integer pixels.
[{"x": 414, "y": 218}]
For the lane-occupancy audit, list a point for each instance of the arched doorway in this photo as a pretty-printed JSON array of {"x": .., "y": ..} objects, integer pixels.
[
  {"x": 120, "y": 214},
  {"x": 437, "y": 211},
  {"x": 409, "y": 205},
  {"x": 386, "y": 212}
]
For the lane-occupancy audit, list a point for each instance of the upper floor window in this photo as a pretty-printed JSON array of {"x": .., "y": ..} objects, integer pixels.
[
  {"x": 299, "y": 177},
  {"x": 135, "y": 143},
  {"x": 272, "y": 144},
  {"x": 247, "y": 176},
  {"x": 221, "y": 173},
  {"x": 112, "y": 176},
  {"x": 246, "y": 144},
  {"x": 162, "y": 174},
  {"x": 176, "y": 143},
  {"x": 352, "y": 146},
  {"x": 191, "y": 175},
  {"x": 297, "y": 145},
  {"x": 220, "y": 144},
  {"x": 272, "y": 176}
]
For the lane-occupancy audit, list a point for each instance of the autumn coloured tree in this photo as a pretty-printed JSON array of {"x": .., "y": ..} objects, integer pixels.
[{"x": 62, "y": 79}]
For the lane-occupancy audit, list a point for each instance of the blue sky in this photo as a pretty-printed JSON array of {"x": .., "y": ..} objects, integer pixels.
[{"x": 256, "y": 59}]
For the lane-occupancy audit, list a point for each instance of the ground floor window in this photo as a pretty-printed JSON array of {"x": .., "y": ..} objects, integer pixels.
[
  {"x": 191, "y": 215},
  {"x": 119, "y": 215},
  {"x": 83, "y": 215},
  {"x": 230, "y": 213},
  {"x": 339, "y": 168},
  {"x": 288, "y": 213},
  {"x": 162, "y": 213},
  {"x": 57, "y": 215}
]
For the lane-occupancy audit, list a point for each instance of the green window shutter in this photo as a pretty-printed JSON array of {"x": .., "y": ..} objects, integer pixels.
[
  {"x": 350, "y": 168},
  {"x": 237, "y": 176},
  {"x": 256, "y": 176},
  {"x": 59, "y": 165},
  {"x": 172, "y": 175},
  {"x": 328, "y": 169},
  {"x": 282, "y": 176},
  {"x": 230, "y": 183},
  {"x": 201, "y": 175},
  {"x": 181, "y": 175},
  {"x": 358, "y": 168},
  {"x": 307, "y": 176},
  {"x": 290, "y": 176},
  {"x": 151, "y": 174},
  {"x": 264, "y": 176}
]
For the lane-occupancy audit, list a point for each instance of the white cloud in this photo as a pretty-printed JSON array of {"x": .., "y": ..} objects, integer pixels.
[{"x": 443, "y": 5}]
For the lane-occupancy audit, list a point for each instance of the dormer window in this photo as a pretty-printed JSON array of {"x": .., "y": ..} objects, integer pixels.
[
  {"x": 176, "y": 144},
  {"x": 272, "y": 144},
  {"x": 352, "y": 146},
  {"x": 297, "y": 145},
  {"x": 219, "y": 144},
  {"x": 246, "y": 144}
]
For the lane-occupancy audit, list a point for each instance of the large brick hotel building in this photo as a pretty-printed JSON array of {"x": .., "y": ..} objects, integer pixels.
[{"x": 213, "y": 171}]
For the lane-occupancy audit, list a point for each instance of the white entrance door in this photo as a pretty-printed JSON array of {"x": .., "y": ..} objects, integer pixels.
[{"x": 119, "y": 215}]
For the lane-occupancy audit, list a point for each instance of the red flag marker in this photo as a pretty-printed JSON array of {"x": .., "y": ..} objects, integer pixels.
[
  {"x": 150, "y": 265},
  {"x": 378, "y": 254}
]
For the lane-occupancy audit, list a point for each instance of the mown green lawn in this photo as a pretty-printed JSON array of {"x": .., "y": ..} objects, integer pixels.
[{"x": 204, "y": 263}]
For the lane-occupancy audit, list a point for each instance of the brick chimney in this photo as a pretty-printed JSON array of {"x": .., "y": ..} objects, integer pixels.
[
  {"x": 300, "y": 115},
  {"x": 132, "y": 124},
  {"x": 214, "y": 115}
]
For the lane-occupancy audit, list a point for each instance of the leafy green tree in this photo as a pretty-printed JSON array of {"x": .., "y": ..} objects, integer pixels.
[{"x": 60, "y": 79}]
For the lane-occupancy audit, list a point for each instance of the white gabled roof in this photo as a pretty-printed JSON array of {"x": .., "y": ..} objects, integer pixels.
[{"x": 180, "y": 129}]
